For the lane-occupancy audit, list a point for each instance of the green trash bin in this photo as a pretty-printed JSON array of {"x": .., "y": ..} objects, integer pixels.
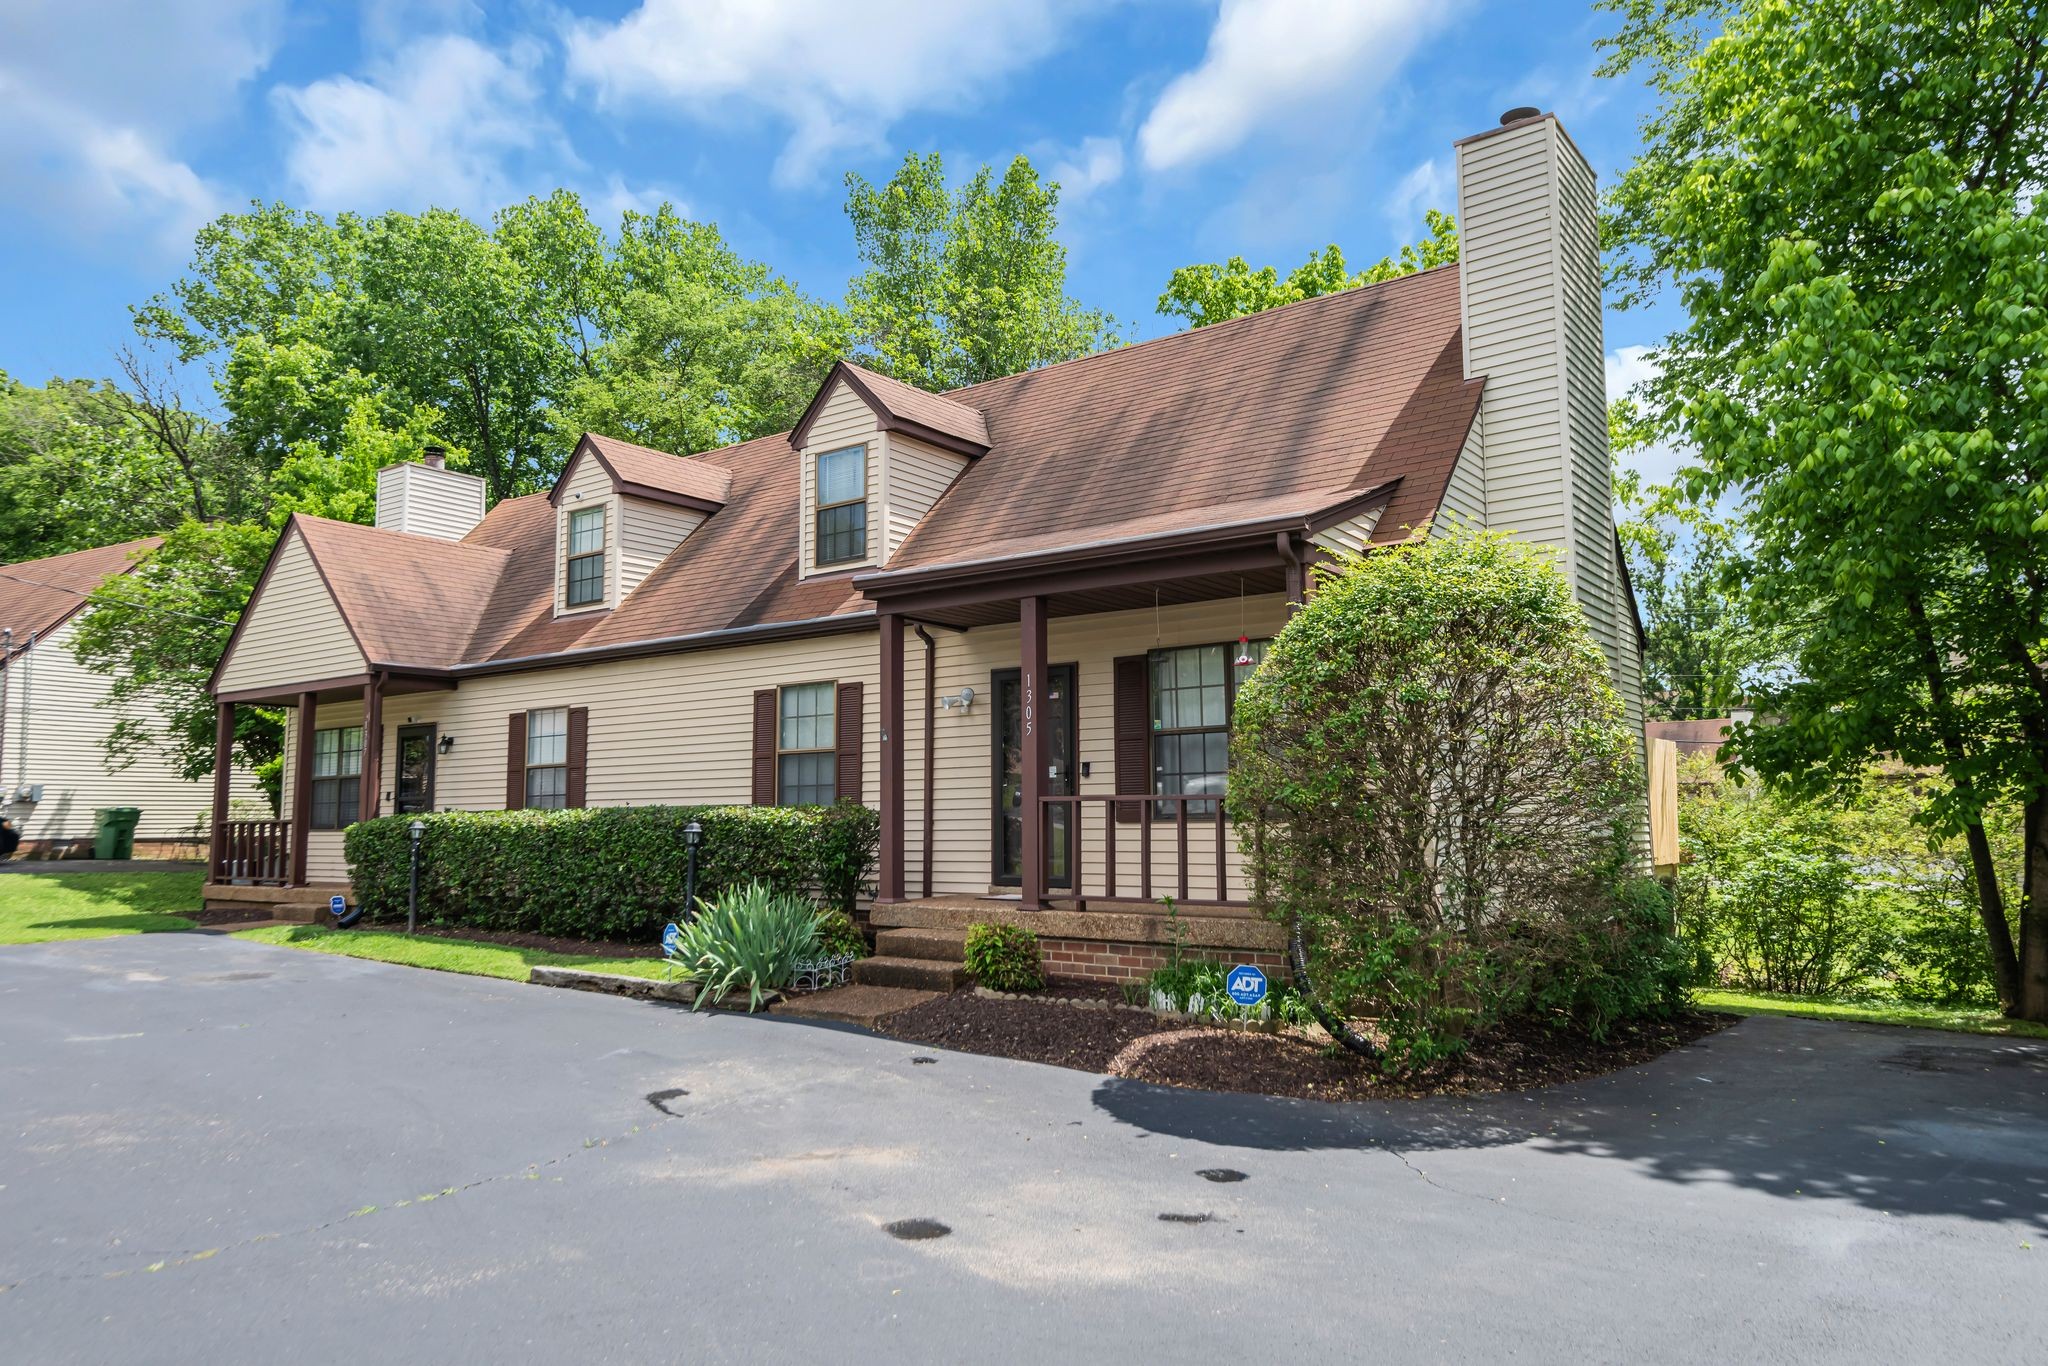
[{"x": 113, "y": 831}]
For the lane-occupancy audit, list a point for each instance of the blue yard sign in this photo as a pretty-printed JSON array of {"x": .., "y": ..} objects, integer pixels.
[
  {"x": 337, "y": 906},
  {"x": 1246, "y": 985},
  {"x": 670, "y": 938}
]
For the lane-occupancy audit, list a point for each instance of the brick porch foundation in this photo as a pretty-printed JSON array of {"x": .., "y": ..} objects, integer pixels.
[{"x": 1095, "y": 960}]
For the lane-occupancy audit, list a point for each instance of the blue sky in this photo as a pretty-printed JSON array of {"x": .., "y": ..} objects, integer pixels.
[{"x": 1180, "y": 130}]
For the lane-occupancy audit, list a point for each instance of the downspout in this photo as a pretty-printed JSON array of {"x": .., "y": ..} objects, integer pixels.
[
  {"x": 28, "y": 683},
  {"x": 931, "y": 682},
  {"x": 6, "y": 656},
  {"x": 1297, "y": 577}
]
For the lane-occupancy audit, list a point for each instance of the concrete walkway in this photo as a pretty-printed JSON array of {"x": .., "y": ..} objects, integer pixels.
[{"x": 222, "y": 1151}]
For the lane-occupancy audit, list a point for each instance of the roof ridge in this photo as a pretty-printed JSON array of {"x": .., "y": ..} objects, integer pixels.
[{"x": 1206, "y": 330}]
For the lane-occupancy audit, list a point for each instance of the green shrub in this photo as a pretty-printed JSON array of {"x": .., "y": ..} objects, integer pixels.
[
  {"x": 839, "y": 936},
  {"x": 1626, "y": 967},
  {"x": 1427, "y": 771},
  {"x": 748, "y": 936},
  {"x": 605, "y": 872},
  {"x": 1003, "y": 958}
]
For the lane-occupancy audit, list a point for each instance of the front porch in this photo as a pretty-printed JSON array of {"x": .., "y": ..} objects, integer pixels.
[{"x": 1101, "y": 941}]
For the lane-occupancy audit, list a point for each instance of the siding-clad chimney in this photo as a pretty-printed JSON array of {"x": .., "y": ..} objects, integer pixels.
[
  {"x": 1529, "y": 253},
  {"x": 429, "y": 499}
]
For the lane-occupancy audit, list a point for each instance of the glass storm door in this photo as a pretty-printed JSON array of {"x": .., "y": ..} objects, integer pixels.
[
  {"x": 414, "y": 787},
  {"x": 1008, "y": 687}
]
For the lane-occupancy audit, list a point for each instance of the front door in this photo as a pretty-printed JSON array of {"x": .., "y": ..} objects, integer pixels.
[
  {"x": 1060, "y": 713},
  {"x": 414, "y": 788}
]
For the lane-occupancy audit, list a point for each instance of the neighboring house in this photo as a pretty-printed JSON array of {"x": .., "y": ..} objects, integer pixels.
[
  {"x": 1000, "y": 615},
  {"x": 53, "y": 764},
  {"x": 1692, "y": 737}
]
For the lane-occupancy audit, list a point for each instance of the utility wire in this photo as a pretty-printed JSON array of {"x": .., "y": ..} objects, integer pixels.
[{"x": 138, "y": 606}]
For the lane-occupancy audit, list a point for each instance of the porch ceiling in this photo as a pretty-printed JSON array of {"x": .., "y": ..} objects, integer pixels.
[{"x": 1116, "y": 598}]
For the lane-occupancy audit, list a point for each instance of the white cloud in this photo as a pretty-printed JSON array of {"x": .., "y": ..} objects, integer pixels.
[
  {"x": 1274, "y": 60},
  {"x": 1628, "y": 366},
  {"x": 608, "y": 202},
  {"x": 837, "y": 74},
  {"x": 1082, "y": 170},
  {"x": 93, "y": 107},
  {"x": 1429, "y": 186},
  {"x": 444, "y": 122}
]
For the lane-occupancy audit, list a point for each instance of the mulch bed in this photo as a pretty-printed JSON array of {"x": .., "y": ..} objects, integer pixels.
[
  {"x": 546, "y": 943},
  {"x": 1142, "y": 1047}
]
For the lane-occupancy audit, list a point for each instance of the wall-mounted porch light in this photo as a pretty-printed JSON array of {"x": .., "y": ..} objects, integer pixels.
[
  {"x": 447, "y": 743},
  {"x": 962, "y": 699}
]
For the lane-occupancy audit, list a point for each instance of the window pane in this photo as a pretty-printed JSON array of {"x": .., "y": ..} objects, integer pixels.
[
  {"x": 324, "y": 811},
  {"x": 350, "y": 791},
  {"x": 1187, "y": 688},
  {"x": 843, "y": 533},
  {"x": 351, "y": 751},
  {"x": 807, "y": 717},
  {"x": 1254, "y": 651},
  {"x": 547, "y": 736},
  {"x": 808, "y": 779},
  {"x": 326, "y": 747},
  {"x": 586, "y": 580},
  {"x": 547, "y": 788},
  {"x": 842, "y": 475},
  {"x": 586, "y": 531}
]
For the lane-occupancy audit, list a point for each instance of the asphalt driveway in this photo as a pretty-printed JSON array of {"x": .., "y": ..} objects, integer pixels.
[{"x": 218, "y": 1151}]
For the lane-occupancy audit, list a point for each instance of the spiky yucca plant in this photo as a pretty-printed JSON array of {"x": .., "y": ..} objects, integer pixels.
[{"x": 748, "y": 937}]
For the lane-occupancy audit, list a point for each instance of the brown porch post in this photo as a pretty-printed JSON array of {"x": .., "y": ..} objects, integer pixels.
[
  {"x": 223, "y": 773},
  {"x": 302, "y": 784},
  {"x": 373, "y": 744},
  {"x": 889, "y": 881},
  {"x": 1035, "y": 750}
]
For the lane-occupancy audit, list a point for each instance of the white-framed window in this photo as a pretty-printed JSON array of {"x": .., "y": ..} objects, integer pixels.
[
  {"x": 586, "y": 572},
  {"x": 806, "y": 745},
  {"x": 1194, "y": 692},
  {"x": 841, "y": 498},
  {"x": 547, "y": 758},
  {"x": 337, "y": 777}
]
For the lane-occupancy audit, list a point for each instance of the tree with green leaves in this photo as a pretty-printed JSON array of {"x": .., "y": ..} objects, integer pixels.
[
  {"x": 967, "y": 285},
  {"x": 1206, "y": 294},
  {"x": 1846, "y": 196}
]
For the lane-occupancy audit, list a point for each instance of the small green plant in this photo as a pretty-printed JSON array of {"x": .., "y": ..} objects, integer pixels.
[
  {"x": 749, "y": 936},
  {"x": 1199, "y": 987},
  {"x": 838, "y": 936},
  {"x": 1003, "y": 958},
  {"x": 1176, "y": 933}
]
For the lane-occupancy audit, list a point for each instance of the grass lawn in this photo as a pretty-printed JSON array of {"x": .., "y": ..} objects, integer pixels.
[
  {"x": 1963, "y": 1021},
  {"x": 38, "y": 907},
  {"x": 444, "y": 955}
]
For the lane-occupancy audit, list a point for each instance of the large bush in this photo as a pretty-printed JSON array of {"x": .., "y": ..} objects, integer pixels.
[
  {"x": 607, "y": 872},
  {"x": 1433, "y": 779}
]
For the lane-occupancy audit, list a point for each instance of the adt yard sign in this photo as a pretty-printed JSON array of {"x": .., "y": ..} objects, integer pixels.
[
  {"x": 1246, "y": 985},
  {"x": 337, "y": 906},
  {"x": 670, "y": 938}
]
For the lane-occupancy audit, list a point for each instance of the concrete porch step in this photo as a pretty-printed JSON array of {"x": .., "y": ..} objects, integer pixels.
[
  {"x": 867, "y": 1006},
  {"x": 919, "y": 974},
  {"x": 941, "y": 946}
]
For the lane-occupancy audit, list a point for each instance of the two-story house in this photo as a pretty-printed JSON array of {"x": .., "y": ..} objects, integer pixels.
[{"x": 1001, "y": 614}]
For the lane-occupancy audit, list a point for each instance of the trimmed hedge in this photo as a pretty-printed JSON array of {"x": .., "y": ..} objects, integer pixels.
[{"x": 606, "y": 872}]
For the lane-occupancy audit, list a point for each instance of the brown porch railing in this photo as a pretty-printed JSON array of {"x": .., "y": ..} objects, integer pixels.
[
  {"x": 255, "y": 851},
  {"x": 1139, "y": 883}
]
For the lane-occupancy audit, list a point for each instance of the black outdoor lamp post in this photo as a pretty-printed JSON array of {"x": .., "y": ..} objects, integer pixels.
[
  {"x": 412, "y": 893},
  {"x": 693, "y": 835}
]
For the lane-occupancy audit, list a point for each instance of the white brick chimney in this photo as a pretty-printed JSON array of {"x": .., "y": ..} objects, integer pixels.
[
  {"x": 429, "y": 499},
  {"x": 1529, "y": 269}
]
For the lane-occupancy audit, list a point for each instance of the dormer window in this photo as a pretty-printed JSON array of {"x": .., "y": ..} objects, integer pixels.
[
  {"x": 841, "y": 499},
  {"x": 586, "y": 557}
]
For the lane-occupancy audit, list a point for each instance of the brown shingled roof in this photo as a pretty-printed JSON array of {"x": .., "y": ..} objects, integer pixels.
[
  {"x": 1284, "y": 414},
  {"x": 648, "y": 473},
  {"x": 38, "y": 596}
]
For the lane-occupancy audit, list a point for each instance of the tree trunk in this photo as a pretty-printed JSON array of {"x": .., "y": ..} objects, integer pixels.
[
  {"x": 2005, "y": 963},
  {"x": 2033, "y": 955}
]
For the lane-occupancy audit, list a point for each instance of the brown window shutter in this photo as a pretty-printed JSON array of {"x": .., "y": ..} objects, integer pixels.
[
  {"x": 579, "y": 752},
  {"x": 764, "y": 747},
  {"x": 515, "y": 761},
  {"x": 1133, "y": 733},
  {"x": 849, "y": 723}
]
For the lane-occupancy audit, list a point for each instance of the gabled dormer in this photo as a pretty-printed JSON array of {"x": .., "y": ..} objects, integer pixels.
[
  {"x": 620, "y": 510},
  {"x": 875, "y": 454}
]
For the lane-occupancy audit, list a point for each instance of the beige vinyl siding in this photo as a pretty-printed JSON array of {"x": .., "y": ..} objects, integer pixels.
[
  {"x": 324, "y": 859},
  {"x": 964, "y": 818},
  {"x": 666, "y": 729},
  {"x": 425, "y": 502},
  {"x": 1352, "y": 535},
  {"x": 648, "y": 533},
  {"x": 56, "y": 729},
  {"x": 845, "y": 420},
  {"x": 293, "y": 633},
  {"x": 914, "y": 477},
  {"x": 1464, "y": 501},
  {"x": 587, "y": 486}
]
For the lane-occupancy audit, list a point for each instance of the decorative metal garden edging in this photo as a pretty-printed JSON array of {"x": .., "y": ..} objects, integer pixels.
[{"x": 816, "y": 974}]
